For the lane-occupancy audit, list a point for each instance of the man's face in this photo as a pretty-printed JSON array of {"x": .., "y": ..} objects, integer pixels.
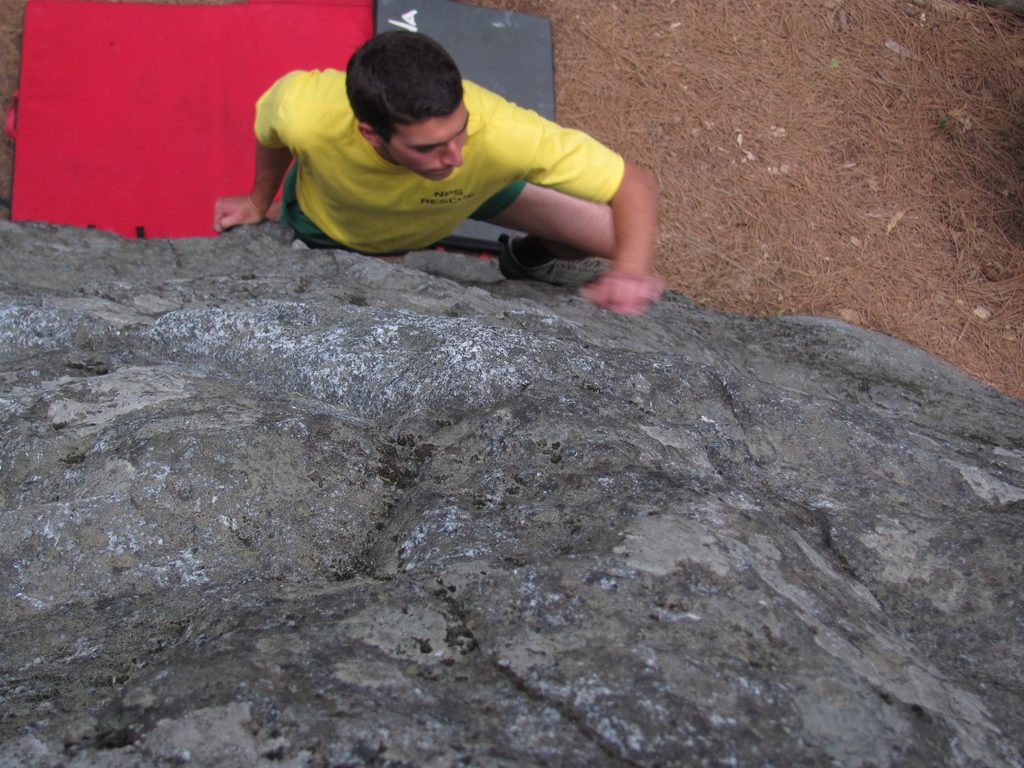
[{"x": 432, "y": 147}]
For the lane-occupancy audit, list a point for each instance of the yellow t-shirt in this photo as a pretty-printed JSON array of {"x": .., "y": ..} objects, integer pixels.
[{"x": 370, "y": 204}]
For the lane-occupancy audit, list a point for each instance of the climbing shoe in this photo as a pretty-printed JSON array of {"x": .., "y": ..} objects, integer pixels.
[{"x": 525, "y": 258}]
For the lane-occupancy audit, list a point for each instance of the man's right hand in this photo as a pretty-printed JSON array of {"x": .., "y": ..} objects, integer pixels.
[{"x": 232, "y": 211}]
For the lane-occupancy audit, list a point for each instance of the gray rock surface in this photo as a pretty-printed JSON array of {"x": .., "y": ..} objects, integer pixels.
[{"x": 274, "y": 507}]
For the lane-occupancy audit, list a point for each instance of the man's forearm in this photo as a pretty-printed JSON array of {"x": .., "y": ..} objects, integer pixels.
[
  {"x": 635, "y": 217},
  {"x": 271, "y": 166}
]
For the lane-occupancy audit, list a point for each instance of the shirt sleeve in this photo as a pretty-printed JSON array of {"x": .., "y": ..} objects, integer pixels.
[
  {"x": 268, "y": 125},
  {"x": 574, "y": 162},
  {"x": 542, "y": 151}
]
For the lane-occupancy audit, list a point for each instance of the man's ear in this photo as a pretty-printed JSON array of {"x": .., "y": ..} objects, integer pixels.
[{"x": 371, "y": 135}]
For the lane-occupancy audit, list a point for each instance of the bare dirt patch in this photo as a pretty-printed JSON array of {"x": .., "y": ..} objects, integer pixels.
[{"x": 857, "y": 160}]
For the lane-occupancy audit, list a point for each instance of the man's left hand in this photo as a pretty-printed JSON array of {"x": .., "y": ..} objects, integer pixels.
[{"x": 622, "y": 292}]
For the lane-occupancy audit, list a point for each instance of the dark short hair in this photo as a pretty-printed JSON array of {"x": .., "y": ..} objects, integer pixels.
[{"x": 398, "y": 78}]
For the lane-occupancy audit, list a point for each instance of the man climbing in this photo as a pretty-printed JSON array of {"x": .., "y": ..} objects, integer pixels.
[{"x": 395, "y": 153}]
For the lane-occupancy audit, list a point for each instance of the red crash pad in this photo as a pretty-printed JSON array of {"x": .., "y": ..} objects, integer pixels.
[{"x": 135, "y": 117}]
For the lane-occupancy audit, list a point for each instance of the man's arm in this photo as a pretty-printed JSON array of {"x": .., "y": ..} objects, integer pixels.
[
  {"x": 271, "y": 166},
  {"x": 630, "y": 286},
  {"x": 635, "y": 217}
]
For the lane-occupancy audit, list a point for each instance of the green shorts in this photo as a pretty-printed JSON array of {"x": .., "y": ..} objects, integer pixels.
[{"x": 309, "y": 233}]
